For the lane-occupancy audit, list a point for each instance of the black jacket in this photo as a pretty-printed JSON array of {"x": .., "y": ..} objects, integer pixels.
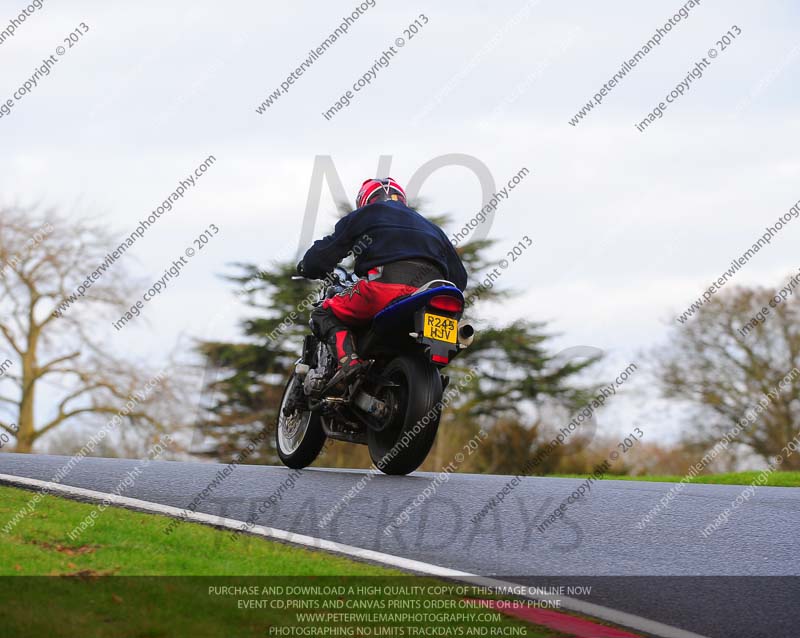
[{"x": 379, "y": 234}]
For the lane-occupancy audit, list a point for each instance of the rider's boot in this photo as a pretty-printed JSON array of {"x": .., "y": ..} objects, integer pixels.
[{"x": 344, "y": 350}]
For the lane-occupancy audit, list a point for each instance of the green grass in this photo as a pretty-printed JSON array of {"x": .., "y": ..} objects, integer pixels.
[
  {"x": 127, "y": 543},
  {"x": 774, "y": 479},
  {"x": 104, "y": 583}
]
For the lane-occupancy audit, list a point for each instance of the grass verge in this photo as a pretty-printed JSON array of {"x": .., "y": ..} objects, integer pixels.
[
  {"x": 194, "y": 582},
  {"x": 774, "y": 479}
]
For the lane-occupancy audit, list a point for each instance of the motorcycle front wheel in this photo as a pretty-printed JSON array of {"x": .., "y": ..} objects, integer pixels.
[{"x": 298, "y": 437}]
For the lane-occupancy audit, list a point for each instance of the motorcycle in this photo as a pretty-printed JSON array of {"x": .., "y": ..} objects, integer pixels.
[{"x": 393, "y": 403}]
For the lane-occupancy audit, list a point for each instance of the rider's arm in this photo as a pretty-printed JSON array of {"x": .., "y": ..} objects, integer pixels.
[{"x": 325, "y": 253}]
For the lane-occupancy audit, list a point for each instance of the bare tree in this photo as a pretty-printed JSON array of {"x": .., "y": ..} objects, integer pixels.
[
  {"x": 54, "y": 356},
  {"x": 738, "y": 361}
]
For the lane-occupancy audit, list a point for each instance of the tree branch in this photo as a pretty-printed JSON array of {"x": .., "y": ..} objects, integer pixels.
[
  {"x": 94, "y": 410},
  {"x": 10, "y": 338},
  {"x": 48, "y": 367},
  {"x": 7, "y": 428}
]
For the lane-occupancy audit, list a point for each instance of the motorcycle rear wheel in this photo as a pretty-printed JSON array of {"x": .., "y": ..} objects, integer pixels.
[{"x": 402, "y": 445}]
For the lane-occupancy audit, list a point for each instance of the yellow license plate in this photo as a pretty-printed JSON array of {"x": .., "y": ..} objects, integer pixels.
[{"x": 440, "y": 328}]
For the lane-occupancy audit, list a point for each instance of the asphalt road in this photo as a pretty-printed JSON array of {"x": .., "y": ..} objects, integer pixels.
[{"x": 739, "y": 582}]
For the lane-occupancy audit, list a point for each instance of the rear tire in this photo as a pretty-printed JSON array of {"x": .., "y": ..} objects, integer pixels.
[
  {"x": 417, "y": 412},
  {"x": 299, "y": 437}
]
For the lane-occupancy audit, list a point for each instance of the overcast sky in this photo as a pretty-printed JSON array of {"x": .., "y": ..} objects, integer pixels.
[{"x": 629, "y": 227}]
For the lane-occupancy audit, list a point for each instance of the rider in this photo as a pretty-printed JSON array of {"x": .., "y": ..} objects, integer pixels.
[{"x": 400, "y": 251}]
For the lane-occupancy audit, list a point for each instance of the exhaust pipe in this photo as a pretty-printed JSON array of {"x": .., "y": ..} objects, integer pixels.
[{"x": 466, "y": 334}]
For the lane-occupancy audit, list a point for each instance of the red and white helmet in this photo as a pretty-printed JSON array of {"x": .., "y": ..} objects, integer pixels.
[{"x": 378, "y": 190}]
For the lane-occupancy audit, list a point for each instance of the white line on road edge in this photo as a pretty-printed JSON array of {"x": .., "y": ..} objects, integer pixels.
[{"x": 573, "y": 604}]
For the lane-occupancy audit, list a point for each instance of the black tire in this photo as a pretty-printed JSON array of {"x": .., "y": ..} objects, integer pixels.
[
  {"x": 310, "y": 442},
  {"x": 418, "y": 396}
]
